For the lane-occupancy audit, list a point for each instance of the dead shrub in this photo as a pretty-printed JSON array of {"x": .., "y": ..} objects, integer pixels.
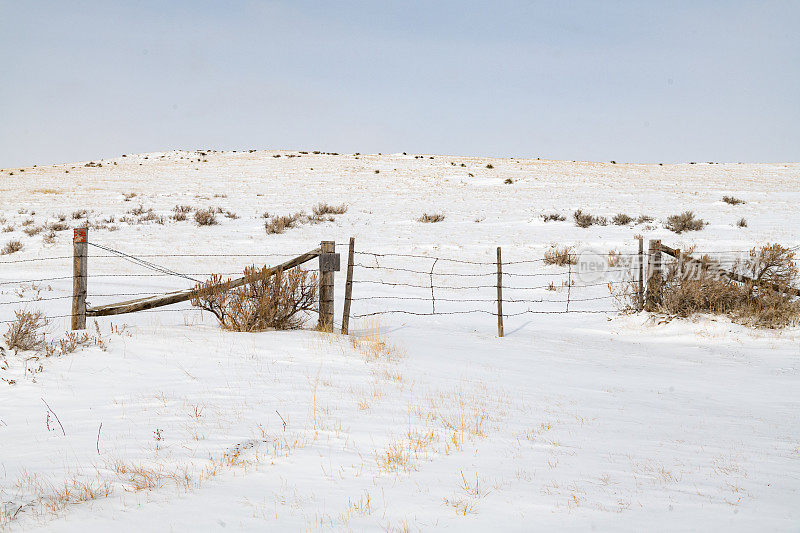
[
  {"x": 555, "y": 217},
  {"x": 326, "y": 209},
  {"x": 58, "y": 226},
  {"x": 617, "y": 259},
  {"x": 560, "y": 256},
  {"x": 732, "y": 200},
  {"x": 684, "y": 222},
  {"x": 139, "y": 211},
  {"x": 771, "y": 263},
  {"x": 691, "y": 287},
  {"x": 430, "y": 218},
  {"x": 621, "y": 219},
  {"x": 279, "y": 224},
  {"x": 263, "y": 302},
  {"x": 644, "y": 219},
  {"x": 205, "y": 217},
  {"x": 77, "y": 215},
  {"x": 11, "y": 247},
  {"x": 742, "y": 222},
  {"x": 25, "y": 332},
  {"x": 30, "y": 231},
  {"x": 584, "y": 220}
]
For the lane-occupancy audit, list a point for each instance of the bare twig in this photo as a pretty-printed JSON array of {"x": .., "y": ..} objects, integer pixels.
[
  {"x": 282, "y": 420},
  {"x": 55, "y": 415},
  {"x": 98, "y": 438}
]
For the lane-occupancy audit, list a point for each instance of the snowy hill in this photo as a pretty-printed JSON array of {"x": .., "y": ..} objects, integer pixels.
[{"x": 424, "y": 419}]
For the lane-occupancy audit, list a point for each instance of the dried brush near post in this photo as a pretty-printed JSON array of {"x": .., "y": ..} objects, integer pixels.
[{"x": 264, "y": 302}]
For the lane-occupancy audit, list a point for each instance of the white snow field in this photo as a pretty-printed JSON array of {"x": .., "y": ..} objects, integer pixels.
[{"x": 601, "y": 420}]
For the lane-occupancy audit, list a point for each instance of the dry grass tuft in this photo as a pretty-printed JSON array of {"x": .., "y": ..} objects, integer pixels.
[
  {"x": 584, "y": 220},
  {"x": 205, "y": 217},
  {"x": 30, "y": 231},
  {"x": 430, "y": 218},
  {"x": 553, "y": 217},
  {"x": 25, "y": 332},
  {"x": 621, "y": 219},
  {"x": 560, "y": 256},
  {"x": 732, "y": 200},
  {"x": 684, "y": 222},
  {"x": 279, "y": 224},
  {"x": 326, "y": 209},
  {"x": 374, "y": 343},
  {"x": 11, "y": 247}
]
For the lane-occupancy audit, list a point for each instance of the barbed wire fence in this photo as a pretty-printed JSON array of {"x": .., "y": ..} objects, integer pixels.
[{"x": 384, "y": 283}]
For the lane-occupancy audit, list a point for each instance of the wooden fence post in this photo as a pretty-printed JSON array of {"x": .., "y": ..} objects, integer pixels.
[
  {"x": 654, "y": 281},
  {"x": 640, "y": 294},
  {"x": 80, "y": 249},
  {"x": 499, "y": 293},
  {"x": 348, "y": 287},
  {"x": 327, "y": 266}
]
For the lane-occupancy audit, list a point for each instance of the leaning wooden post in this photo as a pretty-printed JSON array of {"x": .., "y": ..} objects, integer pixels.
[
  {"x": 348, "y": 287},
  {"x": 80, "y": 249},
  {"x": 654, "y": 281},
  {"x": 499, "y": 293},
  {"x": 640, "y": 293},
  {"x": 328, "y": 264}
]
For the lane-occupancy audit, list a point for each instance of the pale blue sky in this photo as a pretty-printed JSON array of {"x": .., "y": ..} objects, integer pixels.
[{"x": 629, "y": 81}]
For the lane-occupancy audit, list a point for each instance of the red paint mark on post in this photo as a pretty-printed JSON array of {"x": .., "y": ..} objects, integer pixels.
[{"x": 80, "y": 235}]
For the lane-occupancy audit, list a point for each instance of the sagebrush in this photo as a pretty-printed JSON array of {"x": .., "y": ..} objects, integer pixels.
[
  {"x": 584, "y": 220},
  {"x": 686, "y": 221},
  {"x": 264, "y": 302},
  {"x": 26, "y": 332},
  {"x": 431, "y": 217},
  {"x": 763, "y": 299},
  {"x": 327, "y": 209},
  {"x": 560, "y": 256}
]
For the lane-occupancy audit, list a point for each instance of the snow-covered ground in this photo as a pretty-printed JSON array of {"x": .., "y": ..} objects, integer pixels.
[{"x": 572, "y": 421}]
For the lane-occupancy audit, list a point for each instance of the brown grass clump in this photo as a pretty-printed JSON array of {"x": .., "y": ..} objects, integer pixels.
[
  {"x": 25, "y": 332},
  {"x": 684, "y": 222},
  {"x": 584, "y": 220},
  {"x": 741, "y": 223},
  {"x": 58, "y": 226},
  {"x": 556, "y": 217},
  {"x": 732, "y": 200},
  {"x": 560, "y": 256},
  {"x": 279, "y": 224},
  {"x": 691, "y": 287},
  {"x": 621, "y": 219},
  {"x": 11, "y": 247},
  {"x": 205, "y": 217},
  {"x": 263, "y": 302},
  {"x": 326, "y": 209},
  {"x": 179, "y": 212},
  {"x": 30, "y": 231},
  {"x": 374, "y": 343},
  {"x": 430, "y": 218}
]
